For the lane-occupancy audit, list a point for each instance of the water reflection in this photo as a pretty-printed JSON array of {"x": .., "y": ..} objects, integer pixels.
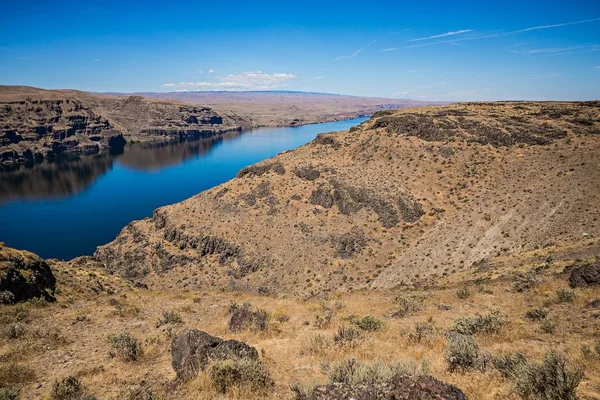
[{"x": 64, "y": 178}]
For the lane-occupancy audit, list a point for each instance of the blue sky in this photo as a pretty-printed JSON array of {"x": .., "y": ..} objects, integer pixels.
[{"x": 425, "y": 50}]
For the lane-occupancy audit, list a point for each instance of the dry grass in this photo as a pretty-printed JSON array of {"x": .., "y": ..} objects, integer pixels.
[{"x": 291, "y": 349}]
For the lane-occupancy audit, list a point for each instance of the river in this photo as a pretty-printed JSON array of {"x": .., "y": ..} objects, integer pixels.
[{"x": 67, "y": 209}]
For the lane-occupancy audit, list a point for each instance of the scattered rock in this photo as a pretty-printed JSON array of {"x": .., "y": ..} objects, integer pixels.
[
  {"x": 24, "y": 276},
  {"x": 192, "y": 350},
  {"x": 307, "y": 172},
  {"x": 593, "y": 304},
  {"x": 261, "y": 169},
  {"x": 401, "y": 387},
  {"x": 348, "y": 244}
]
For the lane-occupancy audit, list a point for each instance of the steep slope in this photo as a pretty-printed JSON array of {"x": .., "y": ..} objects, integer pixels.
[
  {"x": 405, "y": 198},
  {"x": 37, "y": 124}
]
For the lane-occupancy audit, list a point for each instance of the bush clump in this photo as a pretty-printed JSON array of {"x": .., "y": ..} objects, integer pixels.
[
  {"x": 462, "y": 354},
  {"x": 169, "y": 317},
  {"x": 8, "y": 394},
  {"x": 550, "y": 379},
  {"x": 463, "y": 293},
  {"x": 537, "y": 314},
  {"x": 368, "y": 323},
  {"x": 125, "y": 347},
  {"x": 490, "y": 323},
  {"x": 346, "y": 335},
  {"x": 356, "y": 372},
  {"x": 70, "y": 388},
  {"x": 248, "y": 373},
  {"x": 409, "y": 303},
  {"x": 422, "y": 331},
  {"x": 244, "y": 317},
  {"x": 565, "y": 295}
]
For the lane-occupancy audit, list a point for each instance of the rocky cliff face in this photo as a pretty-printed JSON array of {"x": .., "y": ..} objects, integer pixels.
[
  {"x": 403, "y": 199},
  {"x": 38, "y": 125}
]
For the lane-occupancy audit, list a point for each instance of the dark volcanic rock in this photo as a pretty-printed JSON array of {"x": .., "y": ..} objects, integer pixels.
[
  {"x": 261, "y": 169},
  {"x": 585, "y": 275},
  {"x": 348, "y": 244},
  {"x": 401, "y": 387},
  {"x": 593, "y": 304},
  {"x": 192, "y": 350},
  {"x": 307, "y": 172},
  {"x": 24, "y": 276},
  {"x": 410, "y": 208}
]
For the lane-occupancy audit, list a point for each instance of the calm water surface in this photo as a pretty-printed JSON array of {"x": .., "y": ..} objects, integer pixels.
[{"x": 64, "y": 210}]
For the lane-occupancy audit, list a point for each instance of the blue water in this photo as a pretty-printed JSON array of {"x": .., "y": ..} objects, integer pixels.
[{"x": 69, "y": 213}]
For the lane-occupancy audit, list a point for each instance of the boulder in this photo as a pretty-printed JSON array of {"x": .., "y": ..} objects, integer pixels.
[
  {"x": 585, "y": 275},
  {"x": 23, "y": 276},
  {"x": 401, "y": 387},
  {"x": 192, "y": 350}
]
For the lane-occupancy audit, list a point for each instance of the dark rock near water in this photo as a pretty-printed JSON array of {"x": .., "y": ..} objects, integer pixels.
[
  {"x": 401, "y": 387},
  {"x": 261, "y": 169},
  {"x": 24, "y": 276},
  {"x": 192, "y": 350}
]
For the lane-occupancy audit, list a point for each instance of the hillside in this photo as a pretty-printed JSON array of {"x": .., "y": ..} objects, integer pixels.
[
  {"x": 404, "y": 199},
  {"x": 432, "y": 253},
  {"x": 38, "y": 125},
  {"x": 282, "y": 108}
]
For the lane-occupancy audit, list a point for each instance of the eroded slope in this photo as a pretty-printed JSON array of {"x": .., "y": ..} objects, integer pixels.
[{"x": 405, "y": 198}]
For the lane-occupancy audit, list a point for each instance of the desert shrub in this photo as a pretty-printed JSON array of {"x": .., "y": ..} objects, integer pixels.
[
  {"x": 70, "y": 388},
  {"x": 355, "y": 372},
  {"x": 597, "y": 347},
  {"x": 125, "y": 347},
  {"x": 463, "y": 293},
  {"x": 9, "y": 394},
  {"x": 463, "y": 354},
  {"x": 548, "y": 325},
  {"x": 346, "y": 335},
  {"x": 565, "y": 295},
  {"x": 550, "y": 379},
  {"x": 142, "y": 393},
  {"x": 408, "y": 303},
  {"x": 13, "y": 314},
  {"x": 249, "y": 373},
  {"x": 13, "y": 375},
  {"x": 13, "y": 331},
  {"x": 524, "y": 282},
  {"x": 324, "y": 321},
  {"x": 317, "y": 344},
  {"x": 537, "y": 314},
  {"x": 169, "y": 317},
  {"x": 422, "y": 330},
  {"x": 368, "y": 323},
  {"x": 303, "y": 390},
  {"x": 281, "y": 316},
  {"x": 490, "y": 323},
  {"x": 244, "y": 317}
]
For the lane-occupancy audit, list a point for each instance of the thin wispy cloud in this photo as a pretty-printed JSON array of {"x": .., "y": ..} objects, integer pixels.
[
  {"x": 357, "y": 52},
  {"x": 390, "y": 49},
  {"x": 252, "y": 80},
  {"x": 501, "y": 34},
  {"x": 442, "y": 35}
]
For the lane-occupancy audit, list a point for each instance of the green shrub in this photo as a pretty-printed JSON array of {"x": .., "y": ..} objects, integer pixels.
[
  {"x": 125, "y": 347},
  {"x": 422, "y": 330},
  {"x": 368, "y": 323},
  {"x": 490, "y": 323},
  {"x": 9, "y": 394},
  {"x": 13, "y": 331},
  {"x": 303, "y": 390},
  {"x": 537, "y": 314},
  {"x": 169, "y": 317},
  {"x": 346, "y": 335},
  {"x": 550, "y": 379},
  {"x": 463, "y": 293},
  {"x": 243, "y": 317},
  {"x": 409, "y": 303},
  {"x": 70, "y": 388},
  {"x": 565, "y": 295},
  {"x": 548, "y": 325},
  {"x": 249, "y": 373},
  {"x": 355, "y": 372},
  {"x": 463, "y": 354}
]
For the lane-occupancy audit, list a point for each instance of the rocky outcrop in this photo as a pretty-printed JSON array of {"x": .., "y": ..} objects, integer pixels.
[
  {"x": 401, "y": 387},
  {"x": 192, "y": 351},
  {"x": 585, "y": 275},
  {"x": 24, "y": 276},
  {"x": 38, "y": 125}
]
